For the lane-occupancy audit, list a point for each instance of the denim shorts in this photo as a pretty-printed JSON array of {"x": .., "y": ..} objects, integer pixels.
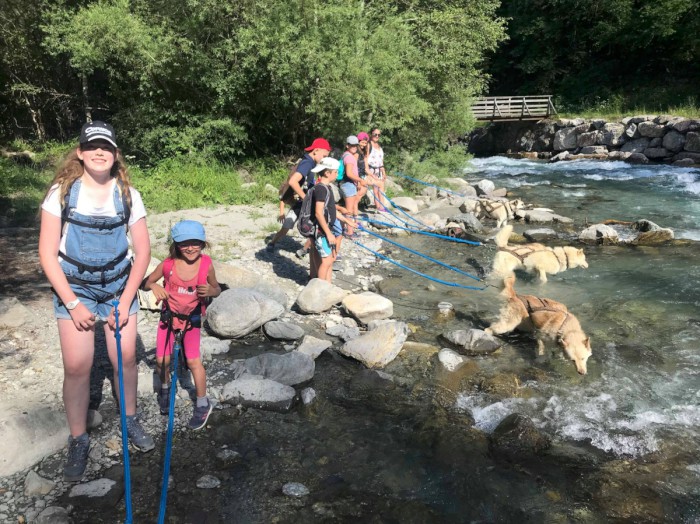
[
  {"x": 348, "y": 189},
  {"x": 323, "y": 248},
  {"x": 96, "y": 298},
  {"x": 337, "y": 227}
]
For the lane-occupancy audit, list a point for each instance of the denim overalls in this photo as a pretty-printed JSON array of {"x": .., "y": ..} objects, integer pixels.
[{"x": 95, "y": 260}]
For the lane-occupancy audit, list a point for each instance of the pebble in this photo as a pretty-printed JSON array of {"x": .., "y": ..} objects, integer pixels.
[
  {"x": 295, "y": 489},
  {"x": 208, "y": 482}
]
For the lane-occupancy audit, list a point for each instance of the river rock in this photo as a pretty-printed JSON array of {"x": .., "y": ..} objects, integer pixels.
[
  {"x": 450, "y": 359},
  {"x": 651, "y": 129},
  {"x": 259, "y": 393},
  {"x": 632, "y": 131},
  {"x": 674, "y": 141},
  {"x": 53, "y": 515},
  {"x": 637, "y": 119},
  {"x": 295, "y": 489},
  {"x": 101, "y": 493},
  {"x": 406, "y": 203},
  {"x": 613, "y": 135},
  {"x": 208, "y": 482},
  {"x": 599, "y": 234},
  {"x": 593, "y": 150},
  {"x": 430, "y": 192},
  {"x": 378, "y": 347},
  {"x": 35, "y": 485},
  {"x": 503, "y": 385},
  {"x": 308, "y": 395},
  {"x": 542, "y": 234},
  {"x": 565, "y": 139},
  {"x": 239, "y": 311},
  {"x": 637, "y": 158},
  {"x": 29, "y": 432},
  {"x": 686, "y": 124},
  {"x": 467, "y": 221},
  {"x": 460, "y": 185},
  {"x": 692, "y": 142},
  {"x": 636, "y": 146},
  {"x": 564, "y": 155},
  {"x": 685, "y": 162},
  {"x": 13, "y": 314},
  {"x": 210, "y": 346},
  {"x": 516, "y": 437},
  {"x": 290, "y": 368},
  {"x": 283, "y": 330},
  {"x": 484, "y": 187},
  {"x": 368, "y": 306},
  {"x": 278, "y": 289},
  {"x": 650, "y": 233},
  {"x": 541, "y": 216},
  {"x": 587, "y": 139},
  {"x": 656, "y": 152},
  {"x": 319, "y": 296},
  {"x": 695, "y": 157},
  {"x": 313, "y": 346},
  {"x": 344, "y": 333},
  {"x": 472, "y": 342},
  {"x": 429, "y": 219},
  {"x": 619, "y": 155}
]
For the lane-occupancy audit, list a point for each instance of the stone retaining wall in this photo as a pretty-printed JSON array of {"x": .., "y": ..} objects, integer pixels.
[{"x": 636, "y": 139}]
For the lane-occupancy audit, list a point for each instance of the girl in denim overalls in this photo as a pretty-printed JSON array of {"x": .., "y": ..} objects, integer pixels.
[{"x": 84, "y": 251}]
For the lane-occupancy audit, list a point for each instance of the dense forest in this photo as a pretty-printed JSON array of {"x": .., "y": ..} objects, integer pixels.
[{"x": 257, "y": 77}]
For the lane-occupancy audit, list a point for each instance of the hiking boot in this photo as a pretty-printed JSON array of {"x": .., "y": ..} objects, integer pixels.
[
  {"x": 137, "y": 435},
  {"x": 164, "y": 400},
  {"x": 301, "y": 252},
  {"x": 76, "y": 461},
  {"x": 200, "y": 415}
]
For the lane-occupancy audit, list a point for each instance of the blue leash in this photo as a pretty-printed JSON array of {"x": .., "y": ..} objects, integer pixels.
[
  {"x": 421, "y": 232},
  {"x": 439, "y": 281},
  {"x": 177, "y": 345},
  {"x": 428, "y": 184},
  {"x": 447, "y": 266},
  {"x": 122, "y": 413}
]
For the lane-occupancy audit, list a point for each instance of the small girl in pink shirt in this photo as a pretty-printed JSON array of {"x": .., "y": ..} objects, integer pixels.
[{"x": 189, "y": 280}]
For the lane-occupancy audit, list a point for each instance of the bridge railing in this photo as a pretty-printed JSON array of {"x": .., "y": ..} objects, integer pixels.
[{"x": 504, "y": 108}]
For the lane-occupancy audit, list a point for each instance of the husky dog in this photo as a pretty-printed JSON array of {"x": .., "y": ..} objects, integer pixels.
[
  {"x": 549, "y": 319},
  {"x": 535, "y": 257},
  {"x": 499, "y": 210}
]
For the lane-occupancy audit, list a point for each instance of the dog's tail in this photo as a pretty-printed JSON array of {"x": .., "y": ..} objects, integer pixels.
[
  {"x": 501, "y": 238},
  {"x": 508, "y": 289}
]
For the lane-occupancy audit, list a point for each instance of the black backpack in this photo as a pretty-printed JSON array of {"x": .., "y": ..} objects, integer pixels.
[{"x": 306, "y": 225}]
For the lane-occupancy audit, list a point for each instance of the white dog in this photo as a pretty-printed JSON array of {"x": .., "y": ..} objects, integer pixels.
[
  {"x": 499, "y": 210},
  {"x": 534, "y": 257}
]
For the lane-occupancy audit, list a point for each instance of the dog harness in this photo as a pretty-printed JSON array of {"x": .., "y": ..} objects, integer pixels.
[
  {"x": 492, "y": 205},
  {"x": 517, "y": 252},
  {"x": 535, "y": 305}
]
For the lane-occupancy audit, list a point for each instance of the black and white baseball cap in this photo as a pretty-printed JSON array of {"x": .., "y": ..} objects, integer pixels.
[{"x": 98, "y": 130}]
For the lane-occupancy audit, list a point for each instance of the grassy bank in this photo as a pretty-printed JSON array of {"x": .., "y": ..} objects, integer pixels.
[{"x": 189, "y": 182}]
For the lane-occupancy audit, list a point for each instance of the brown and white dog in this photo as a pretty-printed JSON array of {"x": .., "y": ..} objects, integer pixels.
[
  {"x": 499, "y": 210},
  {"x": 549, "y": 319},
  {"x": 534, "y": 257}
]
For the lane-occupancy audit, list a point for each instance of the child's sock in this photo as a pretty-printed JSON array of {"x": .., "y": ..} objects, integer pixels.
[{"x": 202, "y": 401}]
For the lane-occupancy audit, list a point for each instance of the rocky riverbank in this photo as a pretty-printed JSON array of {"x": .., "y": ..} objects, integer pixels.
[
  {"x": 636, "y": 139},
  {"x": 264, "y": 357}
]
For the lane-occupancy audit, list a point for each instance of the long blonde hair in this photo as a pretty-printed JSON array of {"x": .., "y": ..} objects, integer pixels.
[{"x": 71, "y": 169}]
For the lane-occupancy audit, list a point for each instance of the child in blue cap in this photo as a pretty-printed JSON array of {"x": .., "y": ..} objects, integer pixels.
[{"x": 189, "y": 282}]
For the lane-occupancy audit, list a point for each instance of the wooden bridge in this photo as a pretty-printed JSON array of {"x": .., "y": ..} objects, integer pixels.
[{"x": 509, "y": 108}]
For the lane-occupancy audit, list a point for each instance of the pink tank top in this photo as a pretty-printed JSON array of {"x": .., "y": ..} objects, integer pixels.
[{"x": 183, "y": 293}]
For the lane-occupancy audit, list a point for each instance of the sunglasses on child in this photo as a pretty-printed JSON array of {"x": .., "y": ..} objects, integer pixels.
[
  {"x": 197, "y": 244},
  {"x": 376, "y": 134}
]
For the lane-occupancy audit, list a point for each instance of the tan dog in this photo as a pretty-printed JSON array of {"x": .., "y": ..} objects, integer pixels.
[
  {"x": 549, "y": 319},
  {"x": 499, "y": 210},
  {"x": 534, "y": 257}
]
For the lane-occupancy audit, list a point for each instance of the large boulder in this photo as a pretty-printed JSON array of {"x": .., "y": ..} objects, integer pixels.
[
  {"x": 565, "y": 139},
  {"x": 599, "y": 234},
  {"x": 378, "y": 347},
  {"x": 260, "y": 393},
  {"x": 279, "y": 290},
  {"x": 283, "y": 330},
  {"x": 319, "y": 296},
  {"x": 651, "y": 233},
  {"x": 674, "y": 141},
  {"x": 613, "y": 135},
  {"x": 368, "y": 306},
  {"x": 313, "y": 346},
  {"x": 656, "y": 152},
  {"x": 237, "y": 312},
  {"x": 472, "y": 342},
  {"x": 651, "y": 129},
  {"x": 587, "y": 139},
  {"x": 467, "y": 221},
  {"x": 406, "y": 203},
  {"x": 290, "y": 368},
  {"x": 484, "y": 187},
  {"x": 692, "y": 142},
  {"x": 636, "y": 146}
]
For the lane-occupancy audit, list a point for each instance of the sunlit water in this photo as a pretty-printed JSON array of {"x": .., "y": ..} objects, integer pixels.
[{"x": 639, "y": 304}]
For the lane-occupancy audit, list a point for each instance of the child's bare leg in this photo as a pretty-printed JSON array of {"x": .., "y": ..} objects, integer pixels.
[
  {"x": 199, "y": 376},
  {"x": 77, "y": 350},
  {"x": 129, "y": 369}
]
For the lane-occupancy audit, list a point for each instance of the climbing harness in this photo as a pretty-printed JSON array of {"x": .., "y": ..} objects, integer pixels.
[
  {"x": 177, "y": 346},
  {"x": 428, "y": 184},
  {"x": 122, "y": 413}
]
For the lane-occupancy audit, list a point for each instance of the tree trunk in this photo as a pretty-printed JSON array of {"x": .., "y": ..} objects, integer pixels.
[{"x": 86, "y": 100}]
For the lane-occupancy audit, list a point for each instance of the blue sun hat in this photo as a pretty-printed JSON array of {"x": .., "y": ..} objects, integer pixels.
[{"x": 188, "y": 230}]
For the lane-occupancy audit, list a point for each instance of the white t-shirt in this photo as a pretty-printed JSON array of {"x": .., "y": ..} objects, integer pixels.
[{"x": 52, "y": 205}]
